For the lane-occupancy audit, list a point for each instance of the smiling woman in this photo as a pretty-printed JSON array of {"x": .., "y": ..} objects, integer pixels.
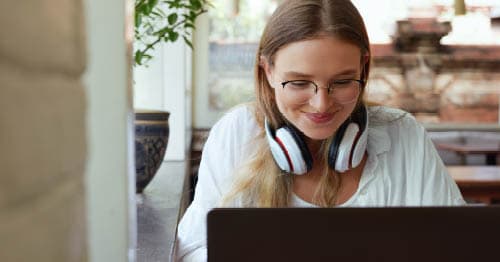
[
  {"x": 335, "y": 63},
  {"x": 310, "y": 140}
]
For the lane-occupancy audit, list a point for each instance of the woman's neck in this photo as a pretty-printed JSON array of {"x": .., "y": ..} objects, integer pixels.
[{"x": 314, "y": 147}]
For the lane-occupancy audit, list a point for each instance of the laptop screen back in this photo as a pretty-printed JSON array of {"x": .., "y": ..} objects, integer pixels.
[{"x": 354, "y": 234}]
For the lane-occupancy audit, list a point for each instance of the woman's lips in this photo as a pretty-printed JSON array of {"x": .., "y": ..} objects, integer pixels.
[{"x": 320, "y": 118}]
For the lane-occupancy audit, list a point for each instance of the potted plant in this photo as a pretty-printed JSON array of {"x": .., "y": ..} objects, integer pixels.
[
  {"x": 164, "y": 21},
  {"x": 158, "y": 22}
]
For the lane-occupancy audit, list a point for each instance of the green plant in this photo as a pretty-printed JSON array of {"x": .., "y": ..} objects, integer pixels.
[{"x": 159, "y": 21}]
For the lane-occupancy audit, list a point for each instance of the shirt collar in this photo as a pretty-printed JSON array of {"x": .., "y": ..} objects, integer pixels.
[{"x": 378, "y": 139}]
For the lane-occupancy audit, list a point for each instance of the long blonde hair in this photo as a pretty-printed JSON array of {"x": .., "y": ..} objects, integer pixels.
[{"x": 259, "y": 182}]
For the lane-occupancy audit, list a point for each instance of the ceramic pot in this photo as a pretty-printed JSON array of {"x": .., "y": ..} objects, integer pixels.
[{"x": 151, "y": 139}]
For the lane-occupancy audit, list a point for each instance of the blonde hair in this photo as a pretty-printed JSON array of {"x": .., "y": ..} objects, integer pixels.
[{"x": 259, "y": 182}]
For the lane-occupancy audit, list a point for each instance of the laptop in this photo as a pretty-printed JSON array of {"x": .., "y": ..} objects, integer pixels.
[{"x": 466, "y": 233}]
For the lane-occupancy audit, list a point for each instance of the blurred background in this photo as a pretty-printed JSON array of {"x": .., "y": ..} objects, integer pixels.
[{"x": 69, "y": 90}]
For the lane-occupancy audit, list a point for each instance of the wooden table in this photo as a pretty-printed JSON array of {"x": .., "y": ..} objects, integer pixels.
[
  {"x": 490, "y": 150},
  {"x": 481, "y": 183}
]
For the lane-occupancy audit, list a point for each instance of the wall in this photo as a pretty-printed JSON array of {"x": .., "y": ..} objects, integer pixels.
[
  {"x": 110, "y": 176},
  {"x": 43, "y": 131},
  {"x": 457, "y": 86}
]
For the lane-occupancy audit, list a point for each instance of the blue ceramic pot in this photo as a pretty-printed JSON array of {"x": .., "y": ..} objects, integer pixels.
[{"x": 151, "y": 139}]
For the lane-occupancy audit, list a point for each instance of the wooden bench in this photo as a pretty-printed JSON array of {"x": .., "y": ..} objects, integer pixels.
[
  {"x": 490, "y": 150},
  {"x": 467, "y": 147},
  {"x": 478, "y": 183}
]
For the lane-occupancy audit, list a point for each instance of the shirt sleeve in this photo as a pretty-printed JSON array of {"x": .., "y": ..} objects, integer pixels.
[
  {"x": 191, "y": 236},
  {"x": 430, "y": 184},
  {"x": 220, "y": 153},
  {"x": 439, "y": 188}
]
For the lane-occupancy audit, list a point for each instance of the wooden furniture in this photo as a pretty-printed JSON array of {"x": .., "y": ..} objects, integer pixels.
[
  {"x": 480, "y": 183},
  {"x": 490, "y": 150}
]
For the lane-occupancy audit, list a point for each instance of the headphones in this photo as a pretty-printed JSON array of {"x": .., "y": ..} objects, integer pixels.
[{"x": 346, "y": 151}]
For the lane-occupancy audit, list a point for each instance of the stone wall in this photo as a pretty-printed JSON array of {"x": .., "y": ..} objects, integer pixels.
[
  {"x": 42, "y": 133},
  {"x": 459, "y": 85}
]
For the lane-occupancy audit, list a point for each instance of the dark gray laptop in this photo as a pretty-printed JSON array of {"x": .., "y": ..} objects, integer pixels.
[{"x": 468, "y": 233}]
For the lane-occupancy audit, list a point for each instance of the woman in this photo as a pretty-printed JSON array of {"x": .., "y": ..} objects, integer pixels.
[{"x": 309, "y": 140}]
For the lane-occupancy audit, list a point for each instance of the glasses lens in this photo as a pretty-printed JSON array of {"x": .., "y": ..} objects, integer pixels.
[
  {"x": 345, "y": 91},
  {"x": 342, "y": 91},
  {"x": 299, "y": 90}
]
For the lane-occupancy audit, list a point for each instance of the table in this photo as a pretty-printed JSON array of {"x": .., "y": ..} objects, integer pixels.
[
  {"x": 159, "y": 208},
  {"x": 491, "y": 150},
  {"x": 480, "y": 183}
]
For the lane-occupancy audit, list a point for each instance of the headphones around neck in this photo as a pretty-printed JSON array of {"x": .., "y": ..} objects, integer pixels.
[{"x": 346, "y": 151}]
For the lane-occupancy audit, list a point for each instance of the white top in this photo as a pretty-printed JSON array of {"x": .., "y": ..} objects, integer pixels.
[{"x": 402, "y": 169}]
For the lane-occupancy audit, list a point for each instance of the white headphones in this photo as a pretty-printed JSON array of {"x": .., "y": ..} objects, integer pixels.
[{"x": 346, "y": 151}]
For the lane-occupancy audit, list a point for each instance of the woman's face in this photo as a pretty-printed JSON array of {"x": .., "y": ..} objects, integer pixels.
[{"x": 324, "y": 61}]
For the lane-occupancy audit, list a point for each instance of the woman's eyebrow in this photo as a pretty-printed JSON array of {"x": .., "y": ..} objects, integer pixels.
[
  {"x": 295, "y": 74},
  {"x": 346, "y": 72}
]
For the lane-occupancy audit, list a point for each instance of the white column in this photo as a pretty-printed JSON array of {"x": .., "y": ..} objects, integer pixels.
[{"x": 110, "y": 171}]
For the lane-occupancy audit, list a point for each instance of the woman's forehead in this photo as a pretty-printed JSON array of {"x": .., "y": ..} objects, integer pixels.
[{"x": 322, "y": 55}]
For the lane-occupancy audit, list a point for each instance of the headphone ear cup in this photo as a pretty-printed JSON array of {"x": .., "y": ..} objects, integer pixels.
[
  {"x": 361, "y": 144},
  {"x": 297, "y": 148},
  {"x": 349, "y": 143},
  {"x": 279, "y": 153},
  {"x": 345, "y": 149},
  {"x": 334, "y": 146},
  {"x": 289, "y": 150},
  {"x": 359, "y": 149}
]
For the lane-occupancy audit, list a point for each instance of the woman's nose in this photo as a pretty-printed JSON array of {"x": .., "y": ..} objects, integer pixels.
[{"x": 321, "y": 101}]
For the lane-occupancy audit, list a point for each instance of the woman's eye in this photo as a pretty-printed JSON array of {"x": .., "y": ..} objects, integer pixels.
[
  {"x": 299, "y": 84},
  {"x": 342, "y": 83}
]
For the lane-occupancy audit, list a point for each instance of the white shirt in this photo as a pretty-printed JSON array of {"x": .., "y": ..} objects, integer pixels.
[{"x": 402, "y": 169}]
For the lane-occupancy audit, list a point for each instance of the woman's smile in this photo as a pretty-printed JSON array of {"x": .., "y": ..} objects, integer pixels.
[{"x": 320, "y": 118}]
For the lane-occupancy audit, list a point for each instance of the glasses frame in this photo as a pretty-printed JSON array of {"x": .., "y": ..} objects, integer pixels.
[{"x": 329, "y": 88}]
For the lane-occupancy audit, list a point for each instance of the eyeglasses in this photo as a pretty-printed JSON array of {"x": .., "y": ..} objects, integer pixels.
[{"x": 343, "y": 91}]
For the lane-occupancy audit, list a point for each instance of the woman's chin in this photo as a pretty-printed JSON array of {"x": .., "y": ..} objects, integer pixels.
[
  {"x": 315, "y": 135},
  {"x": 319, "y": 132}
]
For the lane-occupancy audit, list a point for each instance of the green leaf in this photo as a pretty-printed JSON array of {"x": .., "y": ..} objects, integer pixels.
[
  {"x": 172, "y": 36},
  {"x": 138, "y": 19},
  {"x": 189, "y": 25},
  {"x": 192, "y": 16},
  {"x": 156, "y": 13},
  {"x": 174, "y": 4},
  {"x": 196, "y": 4},
  {"x": 188, "y": 42},
  {"x": 139, "y": 6},
  {"x": 138, "y": 57},
  {"x": 172, "y": 18},
  {"x": 152, "y": 3},
  {"x": 147, "y": 9},
  {"x": 162, "y": 31}
]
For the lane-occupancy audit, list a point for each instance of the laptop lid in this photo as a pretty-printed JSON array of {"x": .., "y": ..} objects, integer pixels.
[{"x": 466, "y": 233}]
